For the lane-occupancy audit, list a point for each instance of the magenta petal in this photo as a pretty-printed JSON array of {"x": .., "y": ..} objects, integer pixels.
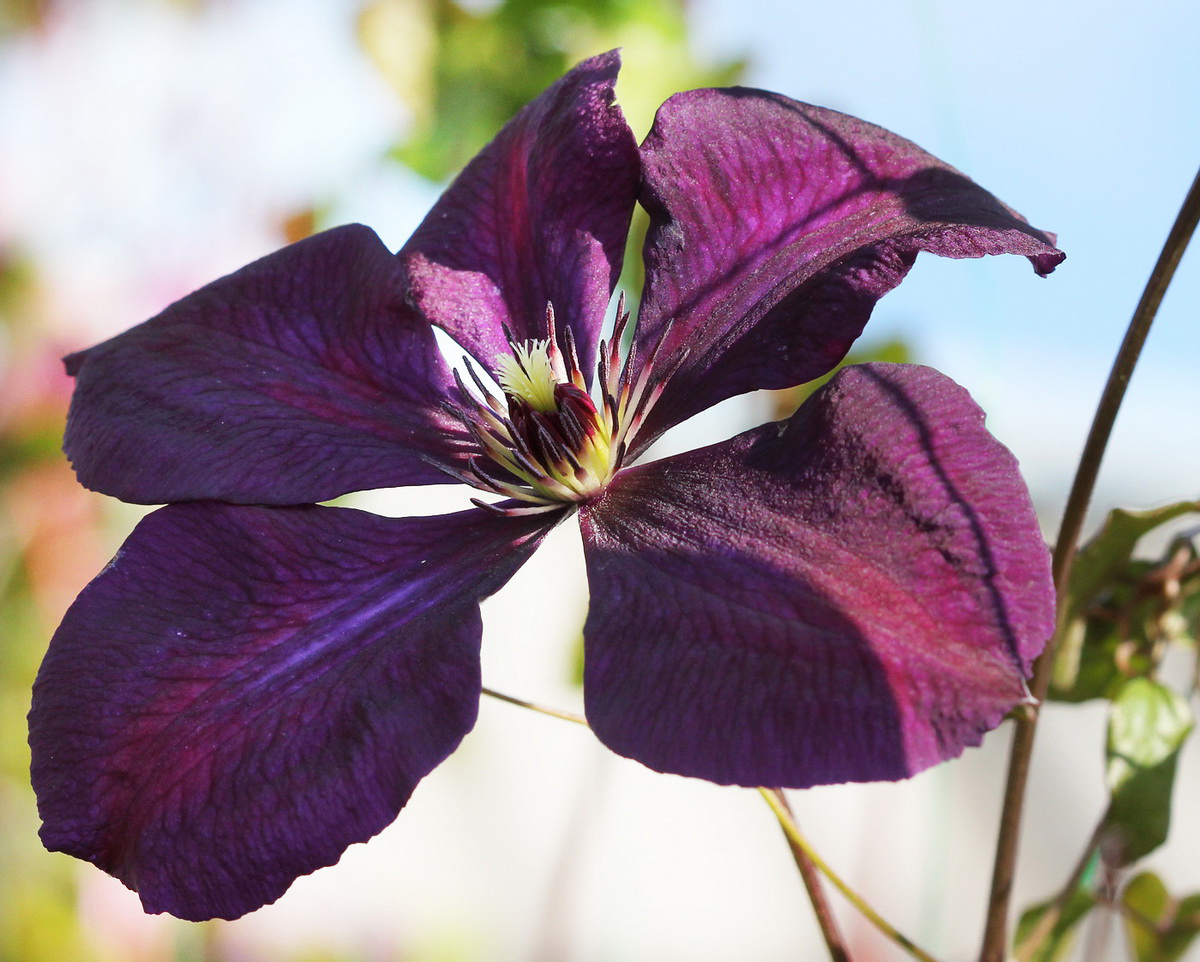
[
  {"x": 776, "y": 226},
  {"x": 540, "y": 215},
  {"x": 296, "y": 379},
  {"x": 243, "y": 692},
  {"x": 851, "y": 595}
]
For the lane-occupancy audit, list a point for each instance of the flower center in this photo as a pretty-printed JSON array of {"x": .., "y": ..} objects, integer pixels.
[
  {"x": 547, "y": 442},
  {"x": 557, "y": 443}
]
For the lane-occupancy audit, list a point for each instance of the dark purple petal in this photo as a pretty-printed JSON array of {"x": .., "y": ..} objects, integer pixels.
[
  {"x": 243, "y": 692},
  {"x": 296, "y": 379},
  {"x": 850, "y": 595},
  {"x": 776, "y": 226},
  {"x": 540, "y": 215}
]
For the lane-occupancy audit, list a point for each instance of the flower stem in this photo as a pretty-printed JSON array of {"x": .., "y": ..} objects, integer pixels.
[
  {"x": 775, "y": 799},
  {"x": 996, "y": 929},
  {"x": 534, "y": 706},
  {"x": 812, "y": 881}
]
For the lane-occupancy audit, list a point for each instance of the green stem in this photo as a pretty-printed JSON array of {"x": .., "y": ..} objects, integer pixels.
[
  {"x": 996, "y": 929},
  {"x": 812, "y": 883},
  {"x": 799, "y": 841},
  {"x": 779, "y": 804},
  {"x": 534, "y": 706}
]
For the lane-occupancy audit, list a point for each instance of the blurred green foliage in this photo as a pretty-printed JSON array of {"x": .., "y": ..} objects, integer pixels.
[
  {"x": 37, "y": 906},
  {"x": 465, "y": 68},
  {"x": 1160, "y": 928},
  {"x": 1122, "y": 613},
  {"x": 1061, "y": 939},
  {"x": 20, "y": 15}
]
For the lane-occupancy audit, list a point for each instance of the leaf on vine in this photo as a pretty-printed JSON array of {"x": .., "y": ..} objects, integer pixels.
[
  {"x": 1146, "y": 728},
  {"x": 1055, "y": 946},
  {"x": 1088, "y": 661},
  {"x": 1161, "y": 928}
]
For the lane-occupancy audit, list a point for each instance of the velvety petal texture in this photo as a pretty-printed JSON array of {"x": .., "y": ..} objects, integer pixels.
[
  {"x": 775, "y": 226},
  {"x": 244, "y": 692},
  {"x": 256, "y": 682},
  {"x": 300, "y": 377},
  {"x": 540, "y": 215},
  {"x": 850, "y": 595}
]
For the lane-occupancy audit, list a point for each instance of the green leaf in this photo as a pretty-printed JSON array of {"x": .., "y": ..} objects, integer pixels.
[
  {"x": 1148, "y": 723},
  {"x": 1057, "y": 943},
  {"x": 1085, "y": 665},
  {"x": 1146, "y": 728},
  {"x": 1103, "y": 558},
  {"x": 1161, "y": 928},
  {"x": 1182, "y": 626}
]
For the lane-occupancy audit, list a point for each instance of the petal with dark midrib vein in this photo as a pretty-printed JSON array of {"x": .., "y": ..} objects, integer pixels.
[
  {"x": 851, "y": 595},
  {"x": 775, "y": 226}
]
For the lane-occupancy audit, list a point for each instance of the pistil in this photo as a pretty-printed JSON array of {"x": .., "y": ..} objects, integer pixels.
[{"x": 528, "y": 374}]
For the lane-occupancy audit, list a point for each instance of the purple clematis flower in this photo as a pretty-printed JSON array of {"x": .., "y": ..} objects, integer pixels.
[{"x": 855, "y": 593}]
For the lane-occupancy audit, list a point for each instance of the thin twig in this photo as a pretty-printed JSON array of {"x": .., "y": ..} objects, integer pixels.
[
  {"x": 1045, "y": 925},
  {"x": 778, "y": 803},
  {"x": 996, "y": 929},
  {"x": 534, "y": 706},
  {"x": 799, "y": 841},
  {"x": 812, "y": 883}
]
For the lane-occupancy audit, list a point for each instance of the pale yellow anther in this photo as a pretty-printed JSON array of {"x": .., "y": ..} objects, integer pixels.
[{"x": 529, "y": 375}]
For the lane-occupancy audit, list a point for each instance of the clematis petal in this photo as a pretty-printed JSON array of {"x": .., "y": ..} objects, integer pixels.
[
  {"x": 539, "y": 216},
  {"x": 244, "y": 692},
  {"x": 776, "y": 226},
  {"x": 296, "y": 379},
  {"x": 851, "y": 595}
]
